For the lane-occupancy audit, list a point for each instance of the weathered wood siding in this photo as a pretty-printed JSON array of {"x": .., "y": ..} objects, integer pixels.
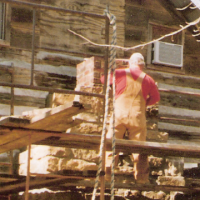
[
  {"x": 57, "y": 51},
  {"x": 54, "y": 26},
  {"x": 139, "y": 14},
  {"x": 179, "y": 112}
]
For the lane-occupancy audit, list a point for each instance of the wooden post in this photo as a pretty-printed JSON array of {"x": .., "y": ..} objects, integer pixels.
[
  {"x": 12, "y": 92},
  {"x": 28, "y": 169},
  {"x": 11, "y": 113},
  {"x": 102, "y": 178},
  {"x": 33, "y": 46},
  {"x": 11, "y": 162}
]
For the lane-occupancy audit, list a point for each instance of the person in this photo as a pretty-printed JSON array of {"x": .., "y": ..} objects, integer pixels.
[{"x": 134, "y": 91}]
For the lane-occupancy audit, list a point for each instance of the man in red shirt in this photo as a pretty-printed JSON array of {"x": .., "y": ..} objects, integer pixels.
[{"x": 134, "y": 91}]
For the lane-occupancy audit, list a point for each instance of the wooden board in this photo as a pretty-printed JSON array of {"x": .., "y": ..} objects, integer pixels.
[
  {"x": 150, "y": 148},
  {"x": 18, "y": 138},
  {"x": 15, "y": 132},
  {"x": 56, "y": 119},
  {"x": 69, "y": 181}
]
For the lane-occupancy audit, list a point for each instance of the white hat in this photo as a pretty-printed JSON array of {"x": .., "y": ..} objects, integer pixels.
[{"x": 137, "y": 58}]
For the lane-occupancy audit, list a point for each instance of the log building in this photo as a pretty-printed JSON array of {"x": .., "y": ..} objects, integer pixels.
[{"x": 41, "y": 59}]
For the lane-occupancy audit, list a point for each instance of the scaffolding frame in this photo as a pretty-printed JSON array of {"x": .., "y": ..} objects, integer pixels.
[
  {"x": 35, "y": 7},
  {"x": 131, "y": 145}
]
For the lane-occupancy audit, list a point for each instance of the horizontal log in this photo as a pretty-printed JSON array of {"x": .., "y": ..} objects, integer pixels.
[
  {"x": 52, "y": 78},
  {"x": 175, "y": 79},
  {"x": 40, "y": 6},
  {"x": 184, "y": 90},
  {"x": 34, "y": 183},
  {"x": 133, "y": 186},
  {"x": 145, "y": 14},
  {"x": 185, "y": 122},
  {"x": 51, "y": 90},
  {"x": 60, "y": 58},
  {"x": 66, "y": 181},
  {"x": 22, "y": 40},
  {"x": 23, "y": 100},
  {"x": 178, "y": 100},
  {"x": 188, "y": 139},
  {"x": 150, "y": 148},
  {"x": 162, "y": 126},
  {"x": 178, "y": 113},
  {"x": 93, "y": 142}
]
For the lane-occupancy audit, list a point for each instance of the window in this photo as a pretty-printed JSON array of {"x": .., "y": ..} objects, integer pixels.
[
  {"x": 196, "y": 3},
  {"x": 4, "y": 24},
  {"x": 160, "y": 51},
  {"x": 2, "y": 20}
]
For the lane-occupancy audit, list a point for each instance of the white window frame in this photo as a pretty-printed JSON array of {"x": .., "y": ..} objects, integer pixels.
[
  {"x": 149, "y": 49},
  {"x": 5, "y": 24}
]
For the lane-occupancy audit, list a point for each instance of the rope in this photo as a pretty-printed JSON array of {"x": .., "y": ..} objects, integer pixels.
[
  {"x": 112, "y": 63},
  {"x": 113, "y": 66}
]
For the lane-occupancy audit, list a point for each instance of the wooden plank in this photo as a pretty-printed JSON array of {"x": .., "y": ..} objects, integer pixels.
[
  {"x": 14, "y": 188},
  {"x": 133, "y": 186},
  {"x": 93, "y": 142},
  {"x": 17, "y": 138},
  {"x": 57, "y": 119},
  {"x": 13, "y": 122},
  {"x": 150, "y": 148},
  {"x": 65, "y": 181},
  {"x": 14, "y": 144},
  {"x": 7, "y": 135}
]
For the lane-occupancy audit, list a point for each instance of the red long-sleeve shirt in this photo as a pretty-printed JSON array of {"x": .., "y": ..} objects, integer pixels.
[{"x": 149, "y": 88}]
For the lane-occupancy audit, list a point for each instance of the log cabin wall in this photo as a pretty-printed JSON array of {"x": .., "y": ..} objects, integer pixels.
[
  {"x": 57, "y": 51},
  {"x": 135, "y": 21},
  {"x": 178, "y": 114},
  {"x": 55, "y": 25}
]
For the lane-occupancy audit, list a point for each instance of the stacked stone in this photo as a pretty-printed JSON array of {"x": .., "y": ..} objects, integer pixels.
[
  {"x": 51, "y": 160},
  {"x": 45, "y": 160}
]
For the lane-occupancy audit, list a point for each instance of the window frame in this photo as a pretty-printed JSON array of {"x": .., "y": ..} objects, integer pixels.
[
  {"x": 163, "y": 68},
  {"x": 7, "y": 21}
]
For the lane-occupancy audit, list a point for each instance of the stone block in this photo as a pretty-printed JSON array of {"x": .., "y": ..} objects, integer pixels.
[
  {"x": 85, "y": 154},
  {"x": 156, "y": 162},
  {"x": 174, "y": 166},
  {"x": 86, "y": 128},
  {"x": 154, "y": 195},
  {"x": 76, "y": 164},
  {"x": 45, "y": 165},
  {"x": 40, "y": 151},
  {"x": 156, "y": 136},
  {"x": 171, "y": 180}
]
